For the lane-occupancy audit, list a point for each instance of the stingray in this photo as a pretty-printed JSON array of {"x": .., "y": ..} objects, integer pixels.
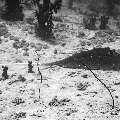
[{"x": 95, "y": 59}]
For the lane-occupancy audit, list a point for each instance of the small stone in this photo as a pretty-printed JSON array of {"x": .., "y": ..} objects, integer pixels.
[
  {"x": 85, "y": 76},
  {"x": 18, "y": 61},
  {"x": 88, "y": 43},
  {"x": 45, "y": 46},
  {"x": 6, "y": 40},
  {"x": 32, "y": 44},
  {"x": 38, "y": 47},
  {"x": 23, "y": 41},
  {"x": 11, "y": 37},
  {"x": 24, "y": 44},
  {"x": 25, "y": 48},
  {"x": 0, "y": 41},
  {"x": 83, "y": 43},
  {"x": 27, "y": 44},
  {"x": 63, "y": 44},
  {"x": 3, "y": 30},
  {"x": 16, "y": 45},
  {"x": 25, "y": 54},
  {"x": 30, "y": 31},
  {"x": 116, "y": 96},
  {"x": 21, "y": 78},
  {"x": 81, "y": 34},
  {"x": 7, "y": 35},
  {"x": 14, "y": 38},
  {"x": 0, "y": 91},
  {"x": 5, "y": 74},
  {"x": 78, "y": 95},
  {"x": 55, "y": 51},
  {"x": 25, "y": 29}
]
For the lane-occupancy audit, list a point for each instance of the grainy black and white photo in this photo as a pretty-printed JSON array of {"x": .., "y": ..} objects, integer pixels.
[{"x": 59, "y": 59}]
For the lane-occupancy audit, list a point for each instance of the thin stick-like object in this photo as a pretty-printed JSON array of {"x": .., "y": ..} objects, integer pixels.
[{"x": 113, "y": 102}]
